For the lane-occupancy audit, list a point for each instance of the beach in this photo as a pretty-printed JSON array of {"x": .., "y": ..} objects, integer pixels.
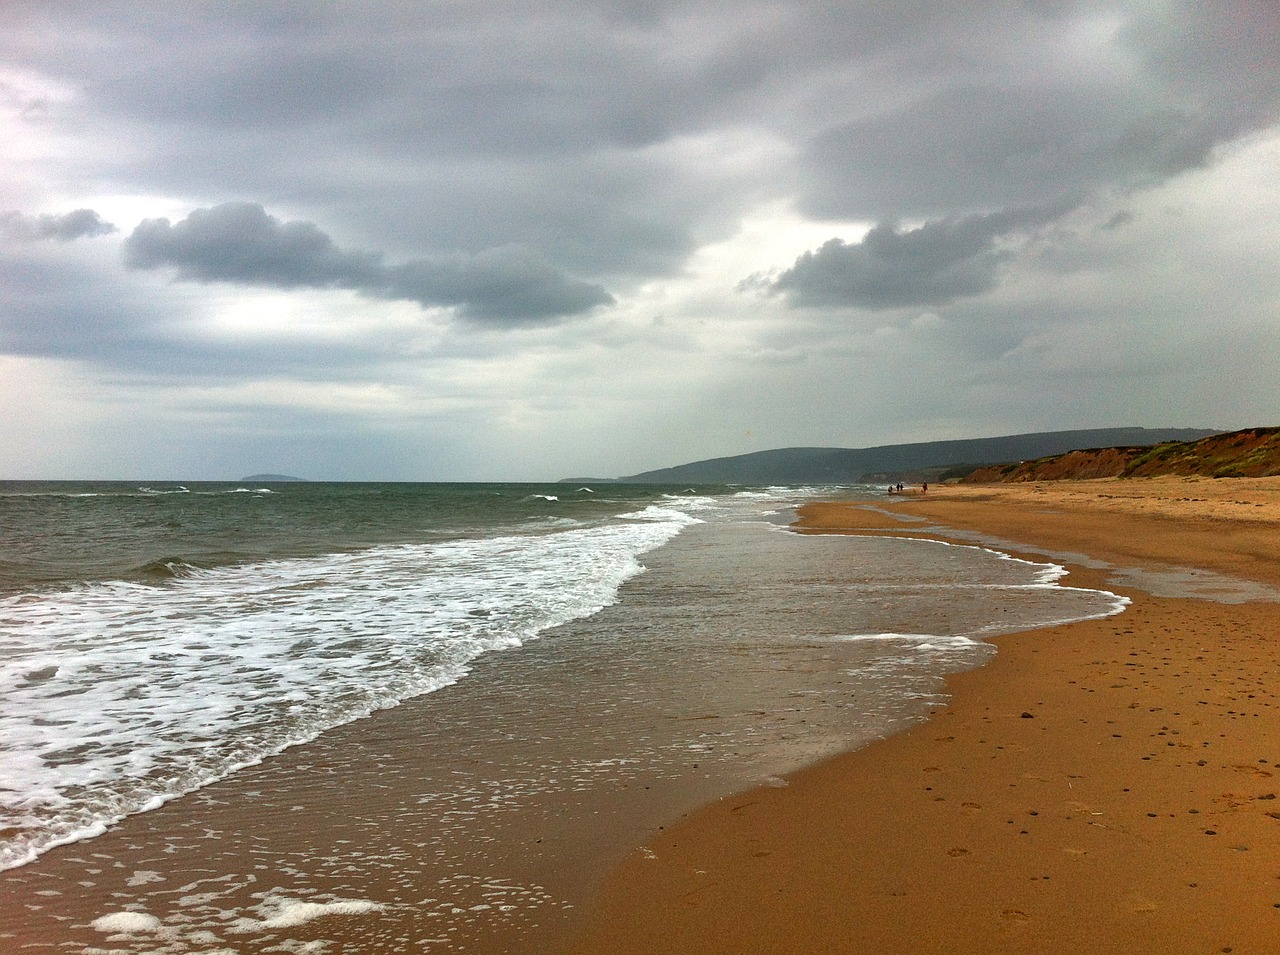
[
  {"x": 1104, "y": 786},
  {"x": 785, "y": 732},
  {"x": 443, "y": 739}
]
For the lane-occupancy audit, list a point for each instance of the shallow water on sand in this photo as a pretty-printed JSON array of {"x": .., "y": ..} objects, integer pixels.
[{"x": 474, "y": 817}]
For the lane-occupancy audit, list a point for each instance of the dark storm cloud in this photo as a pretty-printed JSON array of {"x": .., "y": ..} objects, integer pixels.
[
  {"x": 557, "y": 127},
  {"x": 890, "y": 268},
  {"x": 1027, "y": 106},
  {"x": 82, "y": 223},
  {"x": 974, "y": 147},
  {"x": 239, "y": 242},
  {"x": 456, "y": 128},
  {"x": 503, "y": 286}
]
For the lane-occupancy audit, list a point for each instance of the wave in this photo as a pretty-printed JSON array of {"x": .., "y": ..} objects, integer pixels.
[
  {"x": 140, "y": 491},
  {"x": 165, "y": 569},
  {"x": 148, "y": 693}
]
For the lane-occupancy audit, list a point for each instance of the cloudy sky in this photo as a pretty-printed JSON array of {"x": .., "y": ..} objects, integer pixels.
[{"x": 461, "y": 239}]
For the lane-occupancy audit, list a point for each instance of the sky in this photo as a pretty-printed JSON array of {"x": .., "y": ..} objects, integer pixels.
[{"x": 468, "y": 240}]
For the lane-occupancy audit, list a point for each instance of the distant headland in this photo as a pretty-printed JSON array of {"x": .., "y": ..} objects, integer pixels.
[
  {"x": 930, "y": 461},
  {"x": 274, "y": 479}
]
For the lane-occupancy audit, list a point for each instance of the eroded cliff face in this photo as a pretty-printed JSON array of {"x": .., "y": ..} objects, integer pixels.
[{"x": 1254, "y": 452}]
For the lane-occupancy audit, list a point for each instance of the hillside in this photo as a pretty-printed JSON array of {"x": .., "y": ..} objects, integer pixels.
[
  {"x": 898, "y": 461},
  {"x": 1254, "y": 452}
]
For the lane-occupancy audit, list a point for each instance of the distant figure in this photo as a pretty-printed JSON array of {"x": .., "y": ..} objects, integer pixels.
[
  {"x": 924, "y": 488},
  {"x": 899, "y": 485}
]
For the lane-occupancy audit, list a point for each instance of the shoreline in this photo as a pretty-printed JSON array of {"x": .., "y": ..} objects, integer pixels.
[
  {"x": 1107, "y": 785},
  {"x": 480, "y": 817}
]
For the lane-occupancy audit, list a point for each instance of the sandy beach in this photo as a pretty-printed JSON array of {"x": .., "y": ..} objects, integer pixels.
[
  {"x": 1108, "y": 786},
  {"x": 479, "y": 818}
]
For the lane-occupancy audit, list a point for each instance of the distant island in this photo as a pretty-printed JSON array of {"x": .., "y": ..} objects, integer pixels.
[{"x": 274, "y": 479}]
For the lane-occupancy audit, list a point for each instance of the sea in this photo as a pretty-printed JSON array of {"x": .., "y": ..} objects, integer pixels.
[{"x": 320, "y": 717}]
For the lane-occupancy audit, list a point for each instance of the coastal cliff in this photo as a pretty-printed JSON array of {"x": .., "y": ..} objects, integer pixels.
[{"x": 1254, "y": 452}]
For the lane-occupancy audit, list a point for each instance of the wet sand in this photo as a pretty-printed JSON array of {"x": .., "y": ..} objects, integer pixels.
[
  {"x": 476, "y": 818},
  {"x": 1108, "y": 786}
]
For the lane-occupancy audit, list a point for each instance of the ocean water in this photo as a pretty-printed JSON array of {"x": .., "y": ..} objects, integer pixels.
[{"x": 522, "y": 648}]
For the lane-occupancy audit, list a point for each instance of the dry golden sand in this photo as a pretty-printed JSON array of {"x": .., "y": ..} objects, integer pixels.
[{"x": 1108, "y": 786}]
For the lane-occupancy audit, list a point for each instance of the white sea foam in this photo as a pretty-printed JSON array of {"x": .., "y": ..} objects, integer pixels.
[
  {"x": 290, "y": 914},
  {"x": 919, "y": 645},
  {"x": 930, "y": 640},
  {"x": 126, "y": 923},
  {"x": 1025, "y": 578},
  {"x": 119, "y": 696}
]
